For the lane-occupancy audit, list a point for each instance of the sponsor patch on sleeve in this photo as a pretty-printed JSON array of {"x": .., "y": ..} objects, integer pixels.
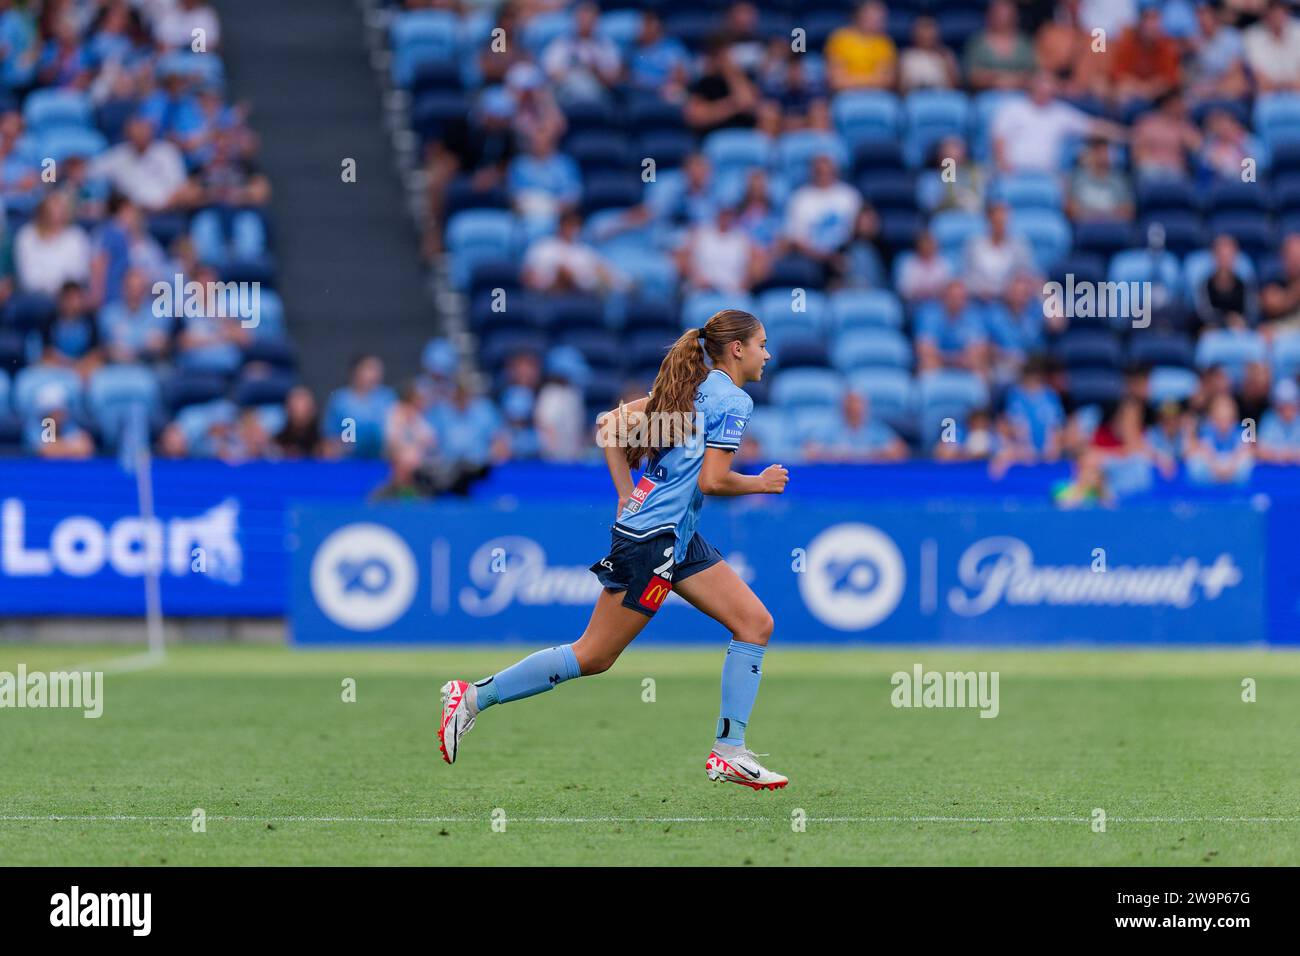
[{"x": 733, "y": 426}]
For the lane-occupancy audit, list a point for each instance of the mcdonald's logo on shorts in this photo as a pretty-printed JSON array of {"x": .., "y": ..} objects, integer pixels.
[{"x": 655, "y": 592}]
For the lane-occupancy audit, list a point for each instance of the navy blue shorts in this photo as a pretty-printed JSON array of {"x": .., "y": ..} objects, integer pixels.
[{"x": 645, "y": 570}]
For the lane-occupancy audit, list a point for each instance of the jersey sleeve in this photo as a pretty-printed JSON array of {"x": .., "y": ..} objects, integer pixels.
[{"x": 726, "y": 421}]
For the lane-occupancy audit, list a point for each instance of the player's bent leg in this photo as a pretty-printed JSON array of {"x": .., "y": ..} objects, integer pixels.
[
  {"x": 612, "y": 627},
  {"x": 720, "y": 593}
]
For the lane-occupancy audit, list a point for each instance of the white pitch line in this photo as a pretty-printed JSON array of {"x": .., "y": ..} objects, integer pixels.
[{"x": 131, "y": 818}]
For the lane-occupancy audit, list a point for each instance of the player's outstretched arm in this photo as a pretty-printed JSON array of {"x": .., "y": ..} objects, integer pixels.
[
  {"x": 717, "y": 478},
  {"x": 609, "y": 427}
]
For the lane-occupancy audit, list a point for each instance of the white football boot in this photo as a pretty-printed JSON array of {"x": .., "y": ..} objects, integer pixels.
[
  {"x": 740, "y": 765},
  {"x": 458, "y": 715}
]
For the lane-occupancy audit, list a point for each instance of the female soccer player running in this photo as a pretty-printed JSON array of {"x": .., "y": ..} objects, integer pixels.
[{"x": 698, "y": 414}]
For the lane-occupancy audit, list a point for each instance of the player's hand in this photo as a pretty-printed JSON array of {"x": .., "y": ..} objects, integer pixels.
[
  {"x": 773, "y": 479},
  {"x": 622, "y": 503}
]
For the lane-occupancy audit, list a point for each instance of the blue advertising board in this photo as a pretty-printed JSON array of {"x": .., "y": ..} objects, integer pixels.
[
  {"x": 830, "y": 572},
  {"x": 72, "y": 540}
]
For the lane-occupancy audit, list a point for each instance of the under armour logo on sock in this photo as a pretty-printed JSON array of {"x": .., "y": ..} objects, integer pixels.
[
  {"x": 753, "y": 668},
  {"x": 554, "y": 679}
]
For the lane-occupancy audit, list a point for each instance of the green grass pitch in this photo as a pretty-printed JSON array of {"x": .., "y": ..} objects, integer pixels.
[{"x": 288, "y": 773}]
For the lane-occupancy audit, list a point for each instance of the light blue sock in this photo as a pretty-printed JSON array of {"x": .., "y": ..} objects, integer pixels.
[
  {"x": 534, "y": 674},
  {"x": 742, "y": 669}
]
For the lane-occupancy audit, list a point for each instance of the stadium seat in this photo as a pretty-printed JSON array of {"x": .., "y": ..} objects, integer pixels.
[
  {"x": 1141, "y": 265},
  {"x": 986, "y": 106},
  {"x": 668, "y": 147},
  {"x": 777, "y": 307},
  {"x": 1089, "y": 348},
  {"x": 601, "y": 151},
  {"x": 4, "y": 392},
  {"x": 952, "y": 228},
  {"x": 610, "y": 190},
  {"x": 183, "y": 389},
  {"x": 1045, "y": 231},
  {"x": 1277, "y": 117},
  {"x": 796, "y": 151},
  {"x": 802, "y": 387},
  {"x": 1029, "y": 191},
  {"x": 930, "y": 115},
  {"x": 700, "y": 306},
  {"x": 1172, "y": 383},
  {"x": 947, "y": 393},
  {"x": 1286, "y": 355},
  {"x": 600, "y": 347},
  {"x": 1231, "y": 349},
  {"x": 1239, "y": 197},
  {"x": 808, "y": 351},
  {"x": 1105, "y": 238},
  {"x": 39, "y": 386},
  {"x": 888, "y": 189},
  {"x": 746, "y": 149},
  {"x": 1182, "y": 231},
  {"x": 1167, "y": 195},
  {"x": 56, "y": 107},
  {"x": 865, "y": 308},
  {"x": 1154, "y": 347},
  {"x": 892, "y": 395},
  {"x": 871, "y": 348},
  {"x": 877, "y": 156},
  {"x": 1094, "y": 386},
  {"x": 1254, "y": 234},
  {"x": 865, "y": 118},
  {"x": 114, "y": 391}
]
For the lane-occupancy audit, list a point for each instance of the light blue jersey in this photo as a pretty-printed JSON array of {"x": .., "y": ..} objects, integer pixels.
[{"x": 668, "y": 496}]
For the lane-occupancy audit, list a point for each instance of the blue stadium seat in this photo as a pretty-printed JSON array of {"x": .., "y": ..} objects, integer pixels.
[
  {"x": 796, "y": 151},
  {"x": 801, "y": 387},
  {"x": 1172, "y": 383},
  {"x": 62, "y": 142},
  {"x": 610, "y": 191},
  {"x": 807, "y": 351},
  {"x": 1183, "y": 232},
  {"x": 651, "y": 273},
  {"x": 4, "y": 392},
  {"x": 728, "y": 149},
  {"x": 652, "y": 113},
  {"x": 1141, "y": 265},
  {"x": 1028, "y": 191},
  {"x": 1158, "y": 348},
  {"x": 1254, "y": 234},
  {"x": 1105, "y": 238},
  {"x": 183, "y": 389},
  {"x": 773, "y": 429},
  {"x": 865, "y": 117},
  {"x": 1238, "y": 197},
  {"x": 1231, "y": 349},
  {"x": 865, "y": 308},
  {"x": 888, "y": 189},
  {"x": 540, "y": 29},
  {"x": 777, "y": 307},
  {"x": 700, "y": 306},
  {"x": 877, "y": 156},
  {"x": 1094, "y": 386},
  {"x": 1277, "y": 117},
  {"x": 114, "y": 392},
  {"x": 601, "y": 150},
  {"x": 929, "y": 116},
  {"x": 478, "y": 235},
  {"x": 1047, "y": 233},
  {"x": 642, "y": 313},
  {"x": 38, "y": 385},
  {"x": 668, "y": 147},
  {"x": 573, "y": 311},
  {"x": 872, "y": 348},
  {"x": 952, "y": 228},
  {"x": 1089, "y": 348},
  {"x": 1167, "y": 195},
  {"x": 599, "y": 346},
  {"x": 947, "y": 393},
  {"x": 51, "y": 108},
  {"x": 891, "y": 392},
  {"x": 1286, "y": 355}
]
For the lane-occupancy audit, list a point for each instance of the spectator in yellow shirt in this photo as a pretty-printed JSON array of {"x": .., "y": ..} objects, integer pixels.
[{"x": 862, "y": 56}]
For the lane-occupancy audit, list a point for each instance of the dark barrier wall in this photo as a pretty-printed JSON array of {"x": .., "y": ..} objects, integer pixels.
[{"x": 955, "y": 556}]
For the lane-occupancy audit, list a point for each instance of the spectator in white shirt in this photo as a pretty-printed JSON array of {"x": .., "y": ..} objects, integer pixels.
[
  {"x": 992, "y": 261},
  {"x": 564, "y": 263},
  {"x": 721, "y": 256},
  {"x": 821, "y": 216},
  {"x": 583, "y": 66},
  {"x": 1029, "y": 134},
  {"x": 175, "y": 27},
  {"x": 51, "y": 250},
  {"x": 1273, "y": 50},
  {"x": 925, "y": 274},
  {"x": 148, "y": 171}
]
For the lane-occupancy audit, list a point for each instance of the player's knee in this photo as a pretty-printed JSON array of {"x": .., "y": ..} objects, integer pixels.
[
  {"x": 757, "y": 628},
  {"x": 593, "y": 661}
]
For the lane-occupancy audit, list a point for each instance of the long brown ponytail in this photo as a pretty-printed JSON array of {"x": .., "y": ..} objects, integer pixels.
[{"x": 683, "y": 370}]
